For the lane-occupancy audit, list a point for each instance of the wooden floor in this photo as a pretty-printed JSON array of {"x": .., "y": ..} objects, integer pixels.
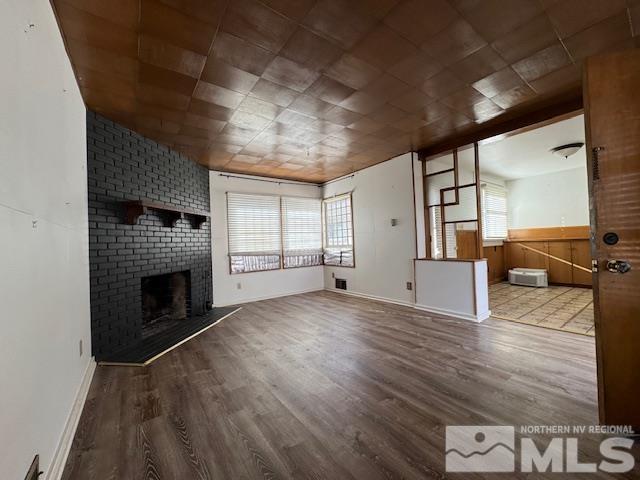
[{"x": 328, "y": 386}]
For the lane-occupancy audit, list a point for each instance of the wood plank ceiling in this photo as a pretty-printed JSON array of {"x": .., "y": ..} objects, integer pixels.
[{"x": 312, "y": 90}]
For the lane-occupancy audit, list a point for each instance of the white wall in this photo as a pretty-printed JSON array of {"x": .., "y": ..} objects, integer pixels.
[
  {"x": 383, "y": 254},
  {"x": 44, "y": 285},
  {"x": 255, "y": 285},
  {"x": 551, "y": 200}
]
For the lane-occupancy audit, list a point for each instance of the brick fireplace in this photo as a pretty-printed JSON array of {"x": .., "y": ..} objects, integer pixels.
[{"x": 130, "y": 259}]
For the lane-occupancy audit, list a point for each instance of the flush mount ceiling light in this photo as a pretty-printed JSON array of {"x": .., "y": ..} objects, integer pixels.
[{"x": 567, "y": 150}]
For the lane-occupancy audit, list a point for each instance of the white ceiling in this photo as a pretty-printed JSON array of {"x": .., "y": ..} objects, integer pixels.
[{"x": 528, "y": 154}]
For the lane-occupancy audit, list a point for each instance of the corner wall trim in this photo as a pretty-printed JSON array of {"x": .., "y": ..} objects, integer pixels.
[
  {"x": 55, "y": 470},
  {"x": 458, "y": 315}
]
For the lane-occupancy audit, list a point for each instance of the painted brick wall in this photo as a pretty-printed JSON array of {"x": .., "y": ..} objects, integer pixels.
[{"x": 123, "y": 165}]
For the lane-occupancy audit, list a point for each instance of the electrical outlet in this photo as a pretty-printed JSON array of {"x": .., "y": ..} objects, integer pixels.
[
  {"x": 239, "y": 286},
  {"x": 409, "y": 286},
  {"x": 80, "y": 347}
]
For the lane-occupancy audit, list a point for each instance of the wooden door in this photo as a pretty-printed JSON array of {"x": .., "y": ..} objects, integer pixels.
[
  {"x": 581, "y": 257},
  {"x": 535, "y": 255},
  {"x": 612, "y": 116},
  {"x": 467, "y": 244},
  {"x": 560, "y": 272}
]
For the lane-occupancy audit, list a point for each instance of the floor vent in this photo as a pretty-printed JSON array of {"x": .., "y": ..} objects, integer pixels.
[{"x": 341, "y": 283}]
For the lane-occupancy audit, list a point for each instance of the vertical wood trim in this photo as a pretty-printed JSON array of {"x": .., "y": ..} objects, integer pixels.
[
  {"x": 479, "y": 234},
  {"x": 427, "y": 218},
  {"x": 443, "y": 226}
]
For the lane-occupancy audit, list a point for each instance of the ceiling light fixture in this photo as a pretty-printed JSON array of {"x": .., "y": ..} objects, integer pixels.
[{"x": 567, "y": 150}]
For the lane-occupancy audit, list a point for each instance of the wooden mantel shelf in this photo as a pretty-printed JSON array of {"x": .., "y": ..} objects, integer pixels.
[{"x": 169, "y": 213}]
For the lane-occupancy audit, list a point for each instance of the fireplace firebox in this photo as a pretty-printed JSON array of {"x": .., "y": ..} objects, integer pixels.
[{"x": 166, "y": 301}]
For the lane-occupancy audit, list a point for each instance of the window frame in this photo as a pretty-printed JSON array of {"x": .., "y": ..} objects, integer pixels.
[
  {"x": 485, "y": 186},
  {"x": 281, "y": 224},
  {"x": 335, "y": 198}
]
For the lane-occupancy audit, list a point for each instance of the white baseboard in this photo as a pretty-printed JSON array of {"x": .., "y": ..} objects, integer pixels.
[
  {"x": 62, "y": 451},
  {"x": 454, "y": 314},
  {"x": 371, "y": 297},
  {"x": 267, "y": 297}
]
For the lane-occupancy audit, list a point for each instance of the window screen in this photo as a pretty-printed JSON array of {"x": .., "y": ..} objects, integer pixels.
[
  {"x": 254, "y": 232},
  {"x": 494, "y": 212},
  {"x": 338, "y": 231},
  {"x": 302, "y": 232}
]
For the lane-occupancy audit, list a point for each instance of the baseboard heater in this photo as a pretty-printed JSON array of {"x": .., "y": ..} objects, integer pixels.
[{"x": 529, "y": 277}]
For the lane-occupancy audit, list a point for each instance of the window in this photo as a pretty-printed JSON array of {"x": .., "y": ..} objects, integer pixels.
[
  {"x": 338, "y": 231},
  {"x": 301, "y": 232},
  {"x": 494, "y": 212},
  {"x": 254, "y": 232}
]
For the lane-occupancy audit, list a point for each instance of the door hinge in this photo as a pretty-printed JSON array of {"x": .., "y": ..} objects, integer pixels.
[
  {"x": 595, "y": 162},
  {"x": 594, "y": 266}
]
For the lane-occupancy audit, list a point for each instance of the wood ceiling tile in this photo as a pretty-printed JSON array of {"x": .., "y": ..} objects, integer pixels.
[
  {"x": 478, "y": 65},
  {"x": 291, "y": 74},
  {"x": 209, "y": 11},
  {"x": 366, "y": 125},
  {"x": 383, "y": 48},
  {"x": 526, "y": 40},
  {"x": 385, "y": 88},
  {"x": 340, "y": 21},
  {"x": 542, "y": 63},
  {"x": 211, "y": 93},
  {"x": 310, "y": 50},
  {"x": 157, "y": 52},
  {"x": 252, "y": 21},
  {"x": 417, "y": 20},
  {"x": 124, "y": 13},
  {"x": 201, "y": 133},
  {"x": 514, "y": 96},
  {"x": 246, "y": 158},
  {"x": 441, "y": 84},
  {"x": 361, "y": 103},
  {"x": 387, "y": 114},
  {"x": 498, "y": 82},
  {"x": 160, "y": 113},
  {"x": 299, "y": 120},
  {"x": 352, "y": 71},
  {"x": 409, "y": 123},
  {"x": 600, "y": 37},
  {"x": 234, "y": 135},
  {"x": 257, "y": 148},
  {"x": 412, "y": 101},
  {"x": 311, "y": 106},
  {"x": 325, "y": 127},
  {"x": 329, "y": 90},
  {"x": 99, "y": 60},
  {"x": 634, "y": 12},
  {"x": 228, "y": 76},
  {"x": 260, "y": 107},
  {"x": 341, "y": 116},
  {"x": 241, "y": 54},
  {"x": 205, "y": 123},
  {"x": 558, "y": 80},
  {"x": 162, "y": 97},
  {"x": 462, "y": 99},
  {"x": 159, "y": 20},
  {"x": 414, "y": 70},
  {"x": 163, "y": 78},
  {"x": 454, "y": 43},
  {"x": 571, "y": 16},
  {"x": 435, "y": 111},
  {"x": 293, "y": 9},
  {"x": 206, "y": 109},
  {"x": 97, "y": 31},
  {"x": 106, "y": 82},
  {"x": 494, "y": 18},
  {"x": 274, "y": 93}
]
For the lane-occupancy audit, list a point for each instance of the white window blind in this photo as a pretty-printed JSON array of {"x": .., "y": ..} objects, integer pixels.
[
  {"x": 494, "y": 212},
  {"x": 254, "y": 232},
  {"x": 338, "y": 236},
  {"x": 302, "y": 231},
  {"x": 436, "y": 233}
]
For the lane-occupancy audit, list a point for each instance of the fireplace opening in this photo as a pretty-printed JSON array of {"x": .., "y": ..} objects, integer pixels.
[{"x": 166, "y": 301}]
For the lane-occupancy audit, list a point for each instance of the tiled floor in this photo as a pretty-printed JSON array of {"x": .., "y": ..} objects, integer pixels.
[{"x": 561, "y": 308}]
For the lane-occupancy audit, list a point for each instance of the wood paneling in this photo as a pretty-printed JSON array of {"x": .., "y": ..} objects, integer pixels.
[
  {"x": 549, "y": 233},
  {"x": 405, "y": 75},
  {"x": 495, "y": 262},
  {"x": 581, "y": 255},
  {"x": 613, "y": 122},
  {"x": 329, "y": 386},
  {"x": 560, "y": 272},
  {"x": 466, "y": 244}
]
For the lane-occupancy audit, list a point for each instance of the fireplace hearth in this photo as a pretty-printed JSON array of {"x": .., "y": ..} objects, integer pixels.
[{"x": 166, "y": 301}]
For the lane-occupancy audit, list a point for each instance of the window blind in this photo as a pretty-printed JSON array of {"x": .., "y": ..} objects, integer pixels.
[
  {"x": 254, "y": 232},
  {"x": 302, "y": 231},
  {"x": 338, "y": 237},
  {"x": 494, "y": 212},
  {"x": 436, "y": 233}
]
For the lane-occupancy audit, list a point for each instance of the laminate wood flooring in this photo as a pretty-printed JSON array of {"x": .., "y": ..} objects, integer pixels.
[{"x": 329, "y": 386}]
